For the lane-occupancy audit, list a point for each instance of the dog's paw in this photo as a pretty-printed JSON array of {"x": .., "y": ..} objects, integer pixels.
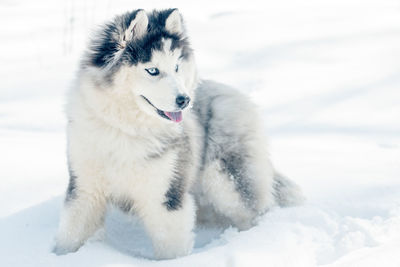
[
  {"x": 170, "y": 250},
  {"x": 60, "y": 250}
]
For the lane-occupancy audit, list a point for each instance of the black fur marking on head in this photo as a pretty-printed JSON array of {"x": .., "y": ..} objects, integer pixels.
[
  {"x": 71, "y": 190},
  {"x": 106, "y": 45},
  {"x": 141, "y": 50}
]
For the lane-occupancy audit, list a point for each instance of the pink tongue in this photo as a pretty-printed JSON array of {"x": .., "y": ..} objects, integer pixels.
[{"x": 174, "y": 116}]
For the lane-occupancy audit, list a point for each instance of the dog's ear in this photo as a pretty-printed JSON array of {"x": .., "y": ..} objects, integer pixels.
[
  {"x": 173, "y": 23},
  {"x": 137, "y": 28}
]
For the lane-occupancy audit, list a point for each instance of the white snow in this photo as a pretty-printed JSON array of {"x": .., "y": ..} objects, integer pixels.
[{"x": 326, "y": 75}]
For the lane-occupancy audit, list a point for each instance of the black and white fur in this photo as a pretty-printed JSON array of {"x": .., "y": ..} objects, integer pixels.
[{"x": 124, "y": 149}]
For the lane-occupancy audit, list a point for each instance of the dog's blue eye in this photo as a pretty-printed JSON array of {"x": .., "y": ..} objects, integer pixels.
[
  {"x": 153, "y": 71},
  {"x": 176, "y": 68}
]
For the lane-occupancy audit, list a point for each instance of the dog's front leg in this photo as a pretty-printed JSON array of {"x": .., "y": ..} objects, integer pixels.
[
  {"x": 170, "y": 227},
  {"x": 83, "y": 214}
]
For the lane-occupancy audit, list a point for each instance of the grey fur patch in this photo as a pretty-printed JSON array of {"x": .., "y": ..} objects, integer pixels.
[
  {"x": 235, "y": 165},
  {"x": 286, "y": 192},
  {"x": 175, "y": 193},
  {"x": 204, "y": 112},
  {"x": 71, "y": 190},
  {"x": 222, "y": 142},
  {"x": 126, "y": 205},
  {"x": 207, "y": 120},
  {"x": 178, "y": 186}
]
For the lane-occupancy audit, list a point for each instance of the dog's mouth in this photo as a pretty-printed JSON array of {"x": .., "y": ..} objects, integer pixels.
[{"x": 175, "y": 116}]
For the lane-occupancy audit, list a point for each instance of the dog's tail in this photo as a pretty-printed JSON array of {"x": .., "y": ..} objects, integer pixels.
[{"x": 286, "y": 192}]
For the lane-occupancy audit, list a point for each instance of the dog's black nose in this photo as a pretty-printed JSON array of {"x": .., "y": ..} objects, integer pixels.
[{"x": 182, "y": 101}]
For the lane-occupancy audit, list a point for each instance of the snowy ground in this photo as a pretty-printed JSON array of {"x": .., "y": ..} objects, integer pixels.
[{"x": 326, "y": 75}]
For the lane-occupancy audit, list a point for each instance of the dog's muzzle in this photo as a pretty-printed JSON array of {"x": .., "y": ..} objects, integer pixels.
[{"x": 182, "y": 101}]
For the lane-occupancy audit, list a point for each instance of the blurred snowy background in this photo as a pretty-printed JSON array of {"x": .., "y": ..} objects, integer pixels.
[{"x": 326, "y": 75}]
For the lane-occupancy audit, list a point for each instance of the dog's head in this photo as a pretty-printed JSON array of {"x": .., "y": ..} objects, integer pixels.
[{"x": 149, "y": 55}]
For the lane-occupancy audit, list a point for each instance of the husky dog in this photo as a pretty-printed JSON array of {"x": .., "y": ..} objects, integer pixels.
[{"x": 146, "y": 135}]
